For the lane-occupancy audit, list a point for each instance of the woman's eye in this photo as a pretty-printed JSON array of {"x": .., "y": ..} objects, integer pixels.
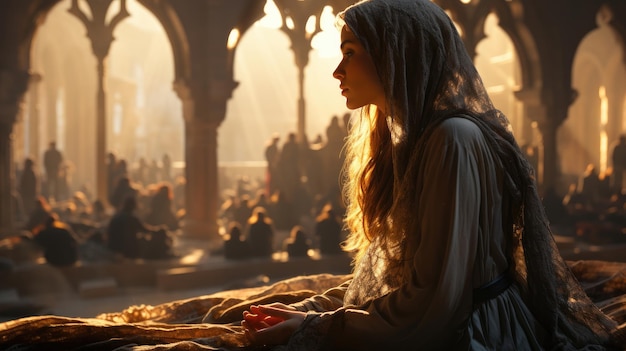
[{"x": 348, "y": 53}]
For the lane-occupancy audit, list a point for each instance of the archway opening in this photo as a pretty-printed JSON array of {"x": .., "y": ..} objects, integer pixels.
[
  {"x": 596, "y": 118},
  {"x": 140, "y": 103},
  {"x": 265, "y": 102}
]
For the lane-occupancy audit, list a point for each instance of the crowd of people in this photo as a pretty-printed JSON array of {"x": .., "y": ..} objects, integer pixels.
[
  {"x": 145, "y": 207},
  {"x": 594, "y": 206},
  {"x": 452, "y": 245}
]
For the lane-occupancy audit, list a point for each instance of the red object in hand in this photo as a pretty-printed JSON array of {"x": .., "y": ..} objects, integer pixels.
[{"x": 259, "y": 320}]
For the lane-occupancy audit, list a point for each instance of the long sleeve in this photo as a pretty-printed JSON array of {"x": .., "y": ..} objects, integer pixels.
[
  {"x": 432, "y": 308},
  {"x": 330, "y": 300}
]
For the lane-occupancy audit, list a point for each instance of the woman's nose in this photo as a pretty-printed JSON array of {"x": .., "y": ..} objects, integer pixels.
[{"x": 338, "y": 73}]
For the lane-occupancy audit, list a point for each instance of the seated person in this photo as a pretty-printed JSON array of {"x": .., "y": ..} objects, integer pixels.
[
  {"x": 297, "y": 245},
  {"x": 260, "y": 234},
  {"x": 59, "y": 243},
  {"x": 125, "y": 229},
  {"x": 235, "y": 248},
  {"x": 157, "y": 245}
]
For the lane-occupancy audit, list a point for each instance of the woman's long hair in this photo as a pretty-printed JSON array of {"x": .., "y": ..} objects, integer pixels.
[{"x": 428, "y": 76}]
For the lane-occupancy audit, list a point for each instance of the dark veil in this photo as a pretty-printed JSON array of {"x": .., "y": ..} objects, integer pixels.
[{"x": 427, "y": 71}]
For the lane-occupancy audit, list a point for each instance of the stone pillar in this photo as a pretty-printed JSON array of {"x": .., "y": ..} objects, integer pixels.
[
  {"x": 13, "y": 85},
  {"x": 33, "y": 117},
  {"x": 551, "y": 166},
  {"x": 203, "y": 111},
  {"x": 534, "y": 111},
  {"x": 100, "y": 33}
]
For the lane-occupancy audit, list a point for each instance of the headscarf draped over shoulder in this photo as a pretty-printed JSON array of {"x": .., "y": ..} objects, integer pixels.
[{"x": 426, "y": 70}]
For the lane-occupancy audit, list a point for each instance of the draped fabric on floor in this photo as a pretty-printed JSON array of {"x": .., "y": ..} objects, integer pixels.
[{"x": 211, "y": 322}]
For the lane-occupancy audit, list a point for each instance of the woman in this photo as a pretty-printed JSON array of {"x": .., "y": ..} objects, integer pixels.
[{"x": 453, "y": 249}]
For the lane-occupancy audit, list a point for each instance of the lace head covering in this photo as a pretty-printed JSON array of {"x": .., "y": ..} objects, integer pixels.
[{"x": 426, "y": 71}]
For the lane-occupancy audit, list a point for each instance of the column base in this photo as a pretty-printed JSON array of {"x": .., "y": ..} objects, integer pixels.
[{"x": 195, "y": 229}]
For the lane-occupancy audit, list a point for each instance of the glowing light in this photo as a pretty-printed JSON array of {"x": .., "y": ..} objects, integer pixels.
[
  {"x": 604, "y": 106},
  {"x": 272, "y": 18},
  {"x": 192, "y": 258},
  {"x": 466, "y": 1},
  {"x": 604, "y": 118},
  {"x": 309, "y": 28},
  {"x": 289, "y": 23},
  {"x": 326, "y": 43},
  {"x": 233, "y": 38}
]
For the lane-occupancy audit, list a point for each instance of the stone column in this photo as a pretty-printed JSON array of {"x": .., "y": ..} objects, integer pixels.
[
  {"x": 534, "y": 111},
  {"x": 203, "y": 110},
  {"x": 100, "y": 34},
  {"x": 13, "y": 85},
  {"x": 551, "y": 166},
  {"x": 33, "y": 117},
  {"x": 201, "y": 174}
]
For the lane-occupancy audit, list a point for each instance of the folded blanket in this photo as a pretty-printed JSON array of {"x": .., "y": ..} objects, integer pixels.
[{"x": 212, "y": 322}]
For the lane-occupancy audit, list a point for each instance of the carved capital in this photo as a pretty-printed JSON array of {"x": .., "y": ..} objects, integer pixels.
[
  {"x": 529, "y": 96},
  {"x": 220, "y": 90},
  {"x": 200, "y": 103}
]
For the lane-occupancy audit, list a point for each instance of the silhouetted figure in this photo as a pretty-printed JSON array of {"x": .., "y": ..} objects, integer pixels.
[
  {"x": 261, "y": 200},
  {"x": 166, "y": 171},
  {"x": 64, "y": 180},
  {"x": 605, "y": 188},
  {"x": 156, "y": 245},
  {"x": 242, "y": 209},
  {"x": 28, "y": 186},
  {"x": 235, "y": 247},
  {"x": 58, "y": 241},
  {"x": 591, "y": 184},
  {"x": 243, "y": 186},
  {"x": 179, "y": 193},
  {"x": 121, "y": 169},
  {"x": 141, "y": 174},
  {"x": 272, "y": 153},
  {"x": 19, "y": 215},
  {"x": 333, "y": 157},
  {"x": 39, "y": 215},
  {"x": 124, "y": 230},
  {"x": 98, "y": 212},
  {"x": 52, "y": 159},
  {"x": 160, "y": 212},
  {"x": 153, "y": 172},
  {"x": 283, "y": 211},
  {"x": 111, "y": 173},
  {"x": 334, "y": 132},
  {"x": 575, "y": 202},
  {"x": 556, "y": 210},
  {"x": 121, "y": 191},
  {"x": 619, "y": 163},
  {"x": 297, "y": 245},
  {"x": 260, "y": 234},
  {"x": 289, "y": 167},
  {"x": 328, "y": 231}
]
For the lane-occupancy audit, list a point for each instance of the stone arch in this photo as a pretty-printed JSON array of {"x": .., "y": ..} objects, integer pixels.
[
  {"x": 597, "y": 67},
  {"x": 253, "y": 13},
  {"x": 172, "y": 24},
  {"x": 32, "y": 22},
  {"x": 60, "y": 72},
  {"x": 511, "y": 21},
  {"x": 472, "y": 18}
]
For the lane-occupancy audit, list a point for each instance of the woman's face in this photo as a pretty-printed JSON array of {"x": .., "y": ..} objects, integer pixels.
[{"x": 359, "y": 81}]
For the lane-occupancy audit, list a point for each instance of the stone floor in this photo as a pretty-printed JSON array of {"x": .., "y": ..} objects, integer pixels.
[
  {"x": 90, "y": 289},
  {"x": 98, "y": 287}
]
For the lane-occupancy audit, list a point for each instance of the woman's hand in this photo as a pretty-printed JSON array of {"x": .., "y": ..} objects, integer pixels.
[{"x": 271, "y": 324}]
